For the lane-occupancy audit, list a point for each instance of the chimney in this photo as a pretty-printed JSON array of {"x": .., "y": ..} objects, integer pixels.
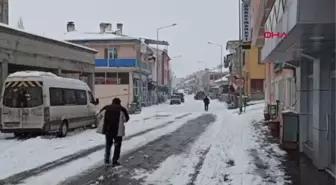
[
  {"x": 102, "y": 27},
  {"x": 120, "y": 28},
  {"x": 70, "y": 26},
  {"x": 108, "y": 27}
]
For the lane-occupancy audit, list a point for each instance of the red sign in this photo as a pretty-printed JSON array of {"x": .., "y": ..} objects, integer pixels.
[
  {"x": 240, "y": 82},
  {"x": 271, "y": 35}
]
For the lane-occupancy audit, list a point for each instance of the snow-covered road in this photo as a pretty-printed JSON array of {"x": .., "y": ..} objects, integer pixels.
[{"x": 165, "y": 145}]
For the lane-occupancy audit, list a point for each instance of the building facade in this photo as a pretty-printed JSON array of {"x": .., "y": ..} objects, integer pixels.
[
  {"x": 309, "y": 51},
  {"x": 24, "y": 51},
  {"x": 253, "y": 73},
  {"x": 123, "y": 64}
]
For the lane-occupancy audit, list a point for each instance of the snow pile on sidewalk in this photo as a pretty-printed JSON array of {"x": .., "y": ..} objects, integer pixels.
[{"x": 222, "y": 155}]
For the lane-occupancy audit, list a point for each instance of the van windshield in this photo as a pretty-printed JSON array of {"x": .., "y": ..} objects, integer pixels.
[{"x": 22, "y": 97}]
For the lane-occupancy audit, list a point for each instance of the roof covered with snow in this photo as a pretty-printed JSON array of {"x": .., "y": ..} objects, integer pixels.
[
  {"x": 47, "y": 38},
  {"x": 223, "y": 79},
  {"x": 87, "y": 36}
]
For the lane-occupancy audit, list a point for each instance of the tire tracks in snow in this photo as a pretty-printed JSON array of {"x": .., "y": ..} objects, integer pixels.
[
  {"x": 148, "y": 157},
  {"x": 19, "y": 177},
  {"x": 198, "y": 166}
]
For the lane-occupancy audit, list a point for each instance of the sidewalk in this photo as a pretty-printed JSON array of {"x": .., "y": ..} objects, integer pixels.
[{"x": 302, "y": 172}]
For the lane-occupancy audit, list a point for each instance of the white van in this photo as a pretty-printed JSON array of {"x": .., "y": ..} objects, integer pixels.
[{"x": 41, "y": 102}]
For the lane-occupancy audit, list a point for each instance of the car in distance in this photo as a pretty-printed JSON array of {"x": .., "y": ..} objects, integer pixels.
[{"x": 175, "y": 99}]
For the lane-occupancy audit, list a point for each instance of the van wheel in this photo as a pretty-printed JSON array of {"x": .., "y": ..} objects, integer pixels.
[
  {"x": 63, "y": 129},
  {"x": 18, "y": 134}
]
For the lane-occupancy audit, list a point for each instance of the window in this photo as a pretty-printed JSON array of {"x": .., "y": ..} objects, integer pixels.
[
  {"x": 123, "y": 78},
  {"x": 56, "y": 96},
  {"x": 100, "y": 78},
  {"x": 112, "y": 53},
  {"x": 91, "y": 98},
  {"x": 69, "y": 97},
  {"x": 111, "y": 78},
  {"x": 23, "y": 97},
  {"x": 81, "y": 97},
  {"x": 257, "y": 85}
]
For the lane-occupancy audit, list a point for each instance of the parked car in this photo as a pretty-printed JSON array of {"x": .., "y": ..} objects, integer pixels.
[
  {"x": 181, "y": 96},
  {"x": 175, "y": 99}
]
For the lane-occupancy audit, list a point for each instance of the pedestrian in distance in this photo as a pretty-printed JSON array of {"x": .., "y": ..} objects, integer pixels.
[
  {"x": 114, "y": 129},
  {"x": 206, "y": 101}
]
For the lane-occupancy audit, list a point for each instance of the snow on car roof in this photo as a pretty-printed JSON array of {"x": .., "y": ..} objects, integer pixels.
[
  {"x": 79, "y": 36},
  {"x": 41, "y": 74},
  {"x": 31, "y": 73},
  {"x": 56, "y": 40}
]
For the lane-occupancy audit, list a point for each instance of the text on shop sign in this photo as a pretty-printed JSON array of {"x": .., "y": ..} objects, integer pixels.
[{"x": 271, "y": 35}]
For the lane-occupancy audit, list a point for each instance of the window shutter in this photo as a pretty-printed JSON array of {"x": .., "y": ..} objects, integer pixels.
[{"x": 106, "y": 53}]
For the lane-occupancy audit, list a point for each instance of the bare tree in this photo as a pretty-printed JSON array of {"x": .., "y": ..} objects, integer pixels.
[{"x": 20, "y": 24}]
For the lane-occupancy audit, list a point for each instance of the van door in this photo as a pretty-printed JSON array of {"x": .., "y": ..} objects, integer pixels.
[
  {"x": 32, "y": 117},
  {"x": 11, "y": 118},
  {"x": 23, "y": 104},
  {"x": 92, "y": 107}
]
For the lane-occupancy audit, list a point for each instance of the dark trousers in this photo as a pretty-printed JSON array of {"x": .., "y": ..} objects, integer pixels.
[
  {"x": 117, "y": 147},
  {"x": 206, "y": 107}
]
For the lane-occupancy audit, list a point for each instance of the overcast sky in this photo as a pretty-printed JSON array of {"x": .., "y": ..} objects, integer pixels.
[{"x": 199, "y": 21}]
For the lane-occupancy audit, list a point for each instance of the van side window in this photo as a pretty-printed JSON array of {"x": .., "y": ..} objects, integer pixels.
[
  {"x": 69, "y": 97},
  {"x": 81, "y": 97},
  {"x": 56, "y": 97},
  {"x": 92, "y": 99}
]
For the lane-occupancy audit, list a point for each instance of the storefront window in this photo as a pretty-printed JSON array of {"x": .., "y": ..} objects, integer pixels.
[
  {"x": 100, "y": 78},
  {"x": 123, "y": 78},
  {"x": 111, "y": 78}
]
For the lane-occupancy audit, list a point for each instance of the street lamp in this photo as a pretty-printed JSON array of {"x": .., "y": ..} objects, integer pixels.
[
  {"x": 157, "y": 55},
  {"x": 221, "y": 60}
]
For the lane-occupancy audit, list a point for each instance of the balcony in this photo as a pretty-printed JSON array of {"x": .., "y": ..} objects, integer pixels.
[{"x": 116, "y": 62}]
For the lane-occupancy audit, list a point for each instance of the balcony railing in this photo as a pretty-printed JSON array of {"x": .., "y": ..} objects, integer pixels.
[{"x": 115, "y": 62}]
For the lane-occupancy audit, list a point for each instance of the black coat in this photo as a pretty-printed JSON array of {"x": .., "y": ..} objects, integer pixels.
[
  {"x": 111, "y": 119},
  {"x": 206, "y": 101}
]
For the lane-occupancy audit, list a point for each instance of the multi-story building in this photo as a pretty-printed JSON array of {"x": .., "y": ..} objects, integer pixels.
[
  {"x": 309, "y": 50},
  {"x": 123, "y": 63},
  {"x": 253, "y": 73}
]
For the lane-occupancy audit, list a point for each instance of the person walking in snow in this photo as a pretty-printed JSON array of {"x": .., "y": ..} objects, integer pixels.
[
  {"x": 206, "y": 101},
  {"x": 114, "y": 129}
]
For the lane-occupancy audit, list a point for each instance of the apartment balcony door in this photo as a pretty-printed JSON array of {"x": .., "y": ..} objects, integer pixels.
[{"x": 331, "y": 126}]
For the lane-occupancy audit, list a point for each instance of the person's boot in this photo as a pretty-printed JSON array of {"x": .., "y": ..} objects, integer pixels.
[
  {"x": 115, "y": 163},
  {"x": 107, "y": 161}
]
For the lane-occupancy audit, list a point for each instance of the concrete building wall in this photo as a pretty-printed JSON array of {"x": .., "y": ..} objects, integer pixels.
[
  {"x": 253, "y": 70},
  {"x": 106, "y": 93},
  {"x": 29, "y": 45},
  {"x": 25, "y": 49},
  {"x": 257, "y": 14}
]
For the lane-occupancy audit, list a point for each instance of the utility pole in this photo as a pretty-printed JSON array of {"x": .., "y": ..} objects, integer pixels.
[{"x": 157, "y": 57}]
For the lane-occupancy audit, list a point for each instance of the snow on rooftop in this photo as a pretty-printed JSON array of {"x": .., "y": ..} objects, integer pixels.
[
  {"x": 49, "y": 38},
  {"x": 78, "y": 36},
  {"x": 223, "y": 79}
]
